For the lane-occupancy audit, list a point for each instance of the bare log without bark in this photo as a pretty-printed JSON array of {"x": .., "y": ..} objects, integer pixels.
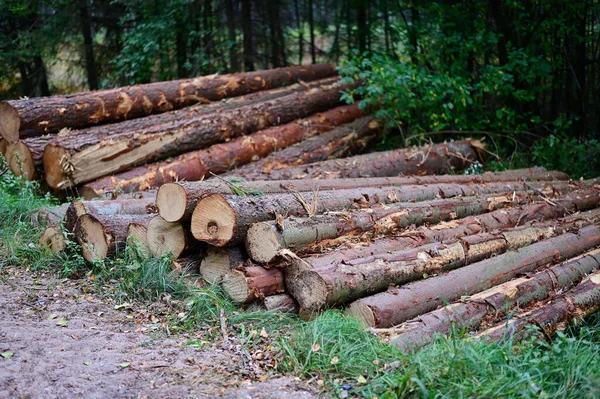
[
  {"x": 169, "y": 237},
  {"x": 252, "y": 283},
  {"x": 50, "y": 114},
  {"x": 578, "y": 302},
  {"x": 224, "y": 220},
  {"x": 23, "y": 162},
  {"x": 495, "y": 301},
  {"x": 438, "y": 158},
  {"x": 315, "y": 289},
  {"x": 400, "y": 304},
  {"x": 82, "y": 158},
  {"x": 53, "y": 238},
  {"x": 219, "y": 261},
  {"x": 101, "y": 235},
  {"x": 132, "y": 206},
  {"x": 280, "y": 303},
  {"x": 137, "y": 232},
  {"x": 219, "y": 158}
]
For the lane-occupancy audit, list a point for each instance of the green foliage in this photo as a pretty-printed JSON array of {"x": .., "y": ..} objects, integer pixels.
[{"x": 567, "y": 154}]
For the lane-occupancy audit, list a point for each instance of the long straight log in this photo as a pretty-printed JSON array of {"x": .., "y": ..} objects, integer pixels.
[
  {"x": 101, "y": 236},
  {"x": 418, "y": 332},
  {"x": 176, "y": 201},
  {"x": 435, "y": 159},
  {"x": 83, "y": 158},
  {"x": 37, "y": 116},
  {"x": 575, "y": 201},
  {"x": 578, "y": 302},
  {"x": 252, "y": 283},
  {"x": 397, "y": 305},
  {"x": 219, "y": 158},
  {"x": 132, "y": 206},
  {"x": 224, "y": 220},
  {"x": 219, "y": 261},
  {"x": 315, "y": 289}
]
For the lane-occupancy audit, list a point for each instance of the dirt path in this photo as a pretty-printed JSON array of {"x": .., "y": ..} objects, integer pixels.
[{"x": 102, "y": 352}]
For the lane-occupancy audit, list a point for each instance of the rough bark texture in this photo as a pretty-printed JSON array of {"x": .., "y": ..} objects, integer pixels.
[
  {"x": 50, "y": 114},
  {"x": 280, "y": 303},
  {"x": 219, "y": 158},
  {"x": 49, "y": 216},
  {"x": 578, "y": 302},
  {"x": 53, "y": 238},
  {"x": 132, "y": 206},
  {"x": 495, "y": 301},
  {"x": 315, "y": 289},
  {"x": 439, "y": 158},
  {"x": 101, "y": 235},
  {"x": 224, "y": 220},
  {"x": 400, "y": 304},
  {"x": 219, "y": 261},
  {"x": 252, "y": 283},
  {"x": 80, "y": 158}
]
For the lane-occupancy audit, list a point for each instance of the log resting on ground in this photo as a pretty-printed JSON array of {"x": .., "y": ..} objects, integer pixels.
[
  {"x": 280, "y": 303},
  {"x": 252, "y": 283},
  {"x": 219, "y": 261},
  {"x": 169, "y": 237},
  {"x": 397, "y": 305},
  {"x": 132, "y": 206},
  {"x": 49, "y": 216},
  {"x": 36, "y": 116},
  {"x": 53, "y": 238}
]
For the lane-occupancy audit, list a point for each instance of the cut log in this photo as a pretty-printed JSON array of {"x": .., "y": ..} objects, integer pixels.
[
  {"x": 578, "y": 302},
  {"x": 189, "y": 265},
  {"x": 280, "y": 303},
  {"x": 495, "y": 301},
  {"x": 53, "y": 238},
  {"x": 219, "y": 261},
  {"x": 101, "y": 235},
  {"x": 224, "y": 220},
  {"x": 435, "y": 159},
  {"x": 397, "y": 305},
  {"x": 134, "y": 206},
  {"x": 137, "y": 232},
  {"x": 315, "y": 289},
  {"x": 252, "y": 283},
  {"x": 50, "y": 114},
  {"x": 21, "y": 161},
  {"x": 169, "y": 237},
  {"x": 219, "y": 158},
  {"x": 3, "y": 145},
  {"x": 48, "y": 216},
  {"x": 82, "y": 157},
  {"x": 500, "y": 219}
]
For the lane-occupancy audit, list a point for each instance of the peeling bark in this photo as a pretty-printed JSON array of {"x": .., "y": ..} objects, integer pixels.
[{"x": 252, "y": 283}]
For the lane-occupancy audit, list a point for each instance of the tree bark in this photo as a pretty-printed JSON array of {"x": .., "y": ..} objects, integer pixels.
[
  {"x": 439, "y": 158},
  {"x": 224, "y": 220},
  {"x": 331, "y": 286},
  {"x": 418, "y": 332},
  {"x": 280, "y": 303},
  {"x": 219, "y": 158},
  {"x": 48, "y": 216},
  {"x": 397, "y": 305},
  {"x": 252, "y": 283},
  {"x": 74, "y": 159},
  {"x": 37, "y": 116}
]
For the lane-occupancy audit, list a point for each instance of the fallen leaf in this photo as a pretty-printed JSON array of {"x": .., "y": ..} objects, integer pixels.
[
  {"x": 7, "y": 355},
  {"x": 124, "y": 365},
  {"x": 62, "y": 322},
  {"x": 361, "y": 380},
  {"x": 87, "y": 363},
  {"x": 334, "y": 360},
  {"x": 122, "y": 306},
  {"x": 52, "y": 316},
  {"x": 263, "y": 378},
  {"x": 316, "y": 347}
]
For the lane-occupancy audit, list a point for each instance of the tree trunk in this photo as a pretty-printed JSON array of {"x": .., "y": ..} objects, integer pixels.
[
  {"x": 418, "y": 332},
  {"x": 280, "y": 303},
  {"x": 48, "y": 216},
  {"x": 219, "y": 158},
  {"x": 53, "y": 239},
  {"x": 397, "y": 305},
  {"x": 101, "y": 236},
  {"x": 311, "y": 28},
  {"x": 73, "y": 160},
  {"x": 169, "y": 237},
  {"x": 224, "y": 220},
  {"x": 88, "y": 44},
  {"x": 578, "y": 302},
  {"x": 300, "y": 27},
  {"x": 439, "y": 158},
  {"x": 37, "y": 116},
  {"x": 248, "y": 35},
  {"x": 252, "y": 283},
  {"x": 219, "y": 261},
  {"x": 331, "y": 286},
  {"x": 77, "y": 208},
  {"x": 234, "y": 59}
]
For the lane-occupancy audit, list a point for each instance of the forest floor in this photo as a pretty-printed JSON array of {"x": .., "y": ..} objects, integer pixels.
[{"x": 66, "y": 342}]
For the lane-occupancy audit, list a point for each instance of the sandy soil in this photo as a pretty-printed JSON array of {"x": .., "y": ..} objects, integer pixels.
[{"x": 67, "y": 343}]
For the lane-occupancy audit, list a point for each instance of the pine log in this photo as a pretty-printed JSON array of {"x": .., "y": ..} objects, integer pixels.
[
  {"x": 21, "y": 161},
  {"x": 280, "y": 303},
  {"x": 397, "y": 305},
  {"x": 438, "y": 158},
  {"x": 578, "y": 302},
  {"x": 102, "y": 235},
  {"x": 42, "y": 115},
  {"x": 51, "y": 216},
  {"x": 343, "y": 141},
  {"x": 53, "y": 238},
  {"x": 132, "y": 206},
  {"x": 80, "y": 158},
  {"x": 137, "y": 233},
  {"x": 189, "y": 265},
  {"x": 580, "y": 200},
  {"x": 496, "y": 301},
  {"x": 330, "y": 286},
  {"x": 169, "y": 237},
  {"x": 224, "y": 220},
  {"x": 252, "y": 283},
  {"x": 219, "y": 158},
  {"x": 3, "y": 145},
  {"x": 219, "y": 261}
]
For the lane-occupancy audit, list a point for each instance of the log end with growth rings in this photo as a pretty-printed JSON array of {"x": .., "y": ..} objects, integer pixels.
[
  {"x": 309, "y": 289},
  {"x": 216, "y": 263},
  {"x": 90, "y": 235},
  {"x": 362, "y": 313},
  {"x": 137, "y": 232},
  {"x": 10, "y": 122},
  {"x": 20, "y": 160},
  {"x": 236, "y": 286},
  {"x": 165, "y": 237},
  {"x": 56, "y": 167},
  {"x": 214, "y": 221},
  {"x": 262, "y": 242},
  {"x": 54, "y": 239},
  {"x": 171, "y": 201}
]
